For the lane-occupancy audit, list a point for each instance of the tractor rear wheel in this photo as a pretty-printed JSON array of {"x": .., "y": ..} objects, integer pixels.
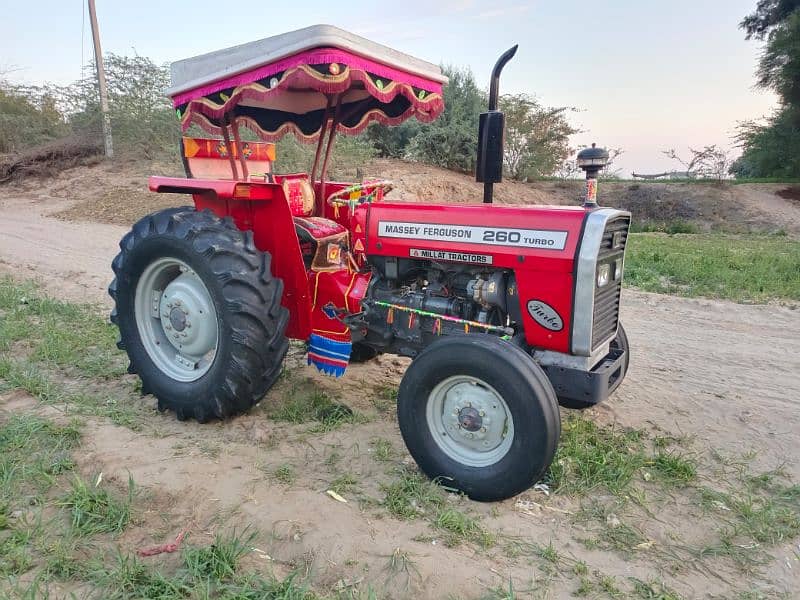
[
  {"x": 479, "y": 415},
  {"x": 199, "y": 313}
]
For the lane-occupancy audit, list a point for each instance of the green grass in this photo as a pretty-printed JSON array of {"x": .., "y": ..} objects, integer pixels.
[
  {"x": 411, "y": 495},
  {"x": 384, "y": 399},
  {"x": 219, "y": 560},
  {"x": 742, "y": 268},
  {"x": 383, "y": 451},
  {"x": 461, "y": 527},
  {"x": 211, "y": 571},
  {"x": 93, "y": 509},
  {"x": 60, "y": 334},
  {"x": 344, "y": 483},
  {"x": 63, "y": 353},
  {"x": 33, "y": 453},
  {"x": 765, "y": 518},
  {"x": 285, "y": 474},
  {"x": 675, "y": 468},
  {"x": 621, "y": 537},
  {"x": 670, "y": 227},
  {"x": 307, "y": 403},
  {"x": 652, "y": 590},
  {"x": 590, "y": 457},
  {"x": 128, "y": 577}
]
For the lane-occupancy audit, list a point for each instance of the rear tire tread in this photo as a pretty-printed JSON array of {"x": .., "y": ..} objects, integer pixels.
[{"x": 250, "y": 302}]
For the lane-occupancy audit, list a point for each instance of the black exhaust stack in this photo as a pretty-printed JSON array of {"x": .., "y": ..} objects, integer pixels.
[{"x": 489, "y": 168}]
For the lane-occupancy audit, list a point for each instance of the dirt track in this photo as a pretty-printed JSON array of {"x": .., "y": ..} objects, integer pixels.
[{"x": 725, "y": 374}]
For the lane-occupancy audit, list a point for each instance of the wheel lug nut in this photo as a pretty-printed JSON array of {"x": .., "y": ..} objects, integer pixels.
[{"x": 482, "y": 413}]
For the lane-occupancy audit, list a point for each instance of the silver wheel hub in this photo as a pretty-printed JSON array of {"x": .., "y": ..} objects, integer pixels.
[
  {"x": 470, "y": 421},
  {"x": 186, "y": 315},
  {"x": 176, "y": 319}
]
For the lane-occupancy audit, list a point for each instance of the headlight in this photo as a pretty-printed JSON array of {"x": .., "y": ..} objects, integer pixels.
[
  {"x": 618, "y": 269},
  {"x": 603, "y": 274}
]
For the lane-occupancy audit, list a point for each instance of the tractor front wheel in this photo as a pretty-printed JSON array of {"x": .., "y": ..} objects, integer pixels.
[
  {"x": 199, "y": 313},
  {"x": 478, "y": 415}
]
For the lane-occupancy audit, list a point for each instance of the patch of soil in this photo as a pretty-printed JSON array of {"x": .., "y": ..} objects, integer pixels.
[
  {"x": 723, "y": 374},
  {"x": 50, "y": 158},
  {"x": 790, "y": 193}
]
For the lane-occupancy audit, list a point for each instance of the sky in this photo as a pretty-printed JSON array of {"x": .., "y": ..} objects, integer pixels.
[{"x": 644, "y": 75}]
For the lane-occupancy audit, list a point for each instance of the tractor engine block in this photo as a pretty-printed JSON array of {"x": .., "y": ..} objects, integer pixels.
[{"x": 411, "y": 302}]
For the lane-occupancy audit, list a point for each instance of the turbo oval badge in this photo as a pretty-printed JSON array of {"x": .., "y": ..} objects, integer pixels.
[{"x": 545, "y": 315}]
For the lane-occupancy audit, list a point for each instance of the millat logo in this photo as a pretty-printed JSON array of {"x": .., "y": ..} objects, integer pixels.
[{"x": 545, "y": 315}]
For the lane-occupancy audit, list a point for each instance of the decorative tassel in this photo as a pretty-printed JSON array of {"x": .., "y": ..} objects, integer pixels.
[
  {"x": 437, "y": 327},
  {"x": 390, "y": 316},
  {"x": 466, "y": 327},
  {"x": 410, "y": 320}
]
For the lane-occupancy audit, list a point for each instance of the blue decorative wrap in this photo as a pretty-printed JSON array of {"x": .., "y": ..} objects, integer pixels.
[{"x": 328, "y": 355}]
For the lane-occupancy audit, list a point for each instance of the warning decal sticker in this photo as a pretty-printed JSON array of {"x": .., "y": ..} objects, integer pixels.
[{"x": 471, "y": 234}]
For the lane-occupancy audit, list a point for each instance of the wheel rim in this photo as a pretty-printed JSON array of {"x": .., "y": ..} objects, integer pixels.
[
  {"x": 470, "y": 421},
  {"x": 176, "y": 319}
]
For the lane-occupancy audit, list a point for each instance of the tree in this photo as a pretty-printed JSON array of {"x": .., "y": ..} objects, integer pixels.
[
  {"x": 536, "y": 137},
  {"x": 768, "y": 15},
  {"x": 392, "y": 142},
  {"x": 770, "y": 149},
  {"x": 610, "y": 171},
  {"x": 451, "y": 140},
  {"x": 779, "y": 65},
  {"x": 142, "y": 118},
  {"x": 568, "y": 169},
  {"x": 710, "y": 162},
  {"x": 29, "y": 115}
]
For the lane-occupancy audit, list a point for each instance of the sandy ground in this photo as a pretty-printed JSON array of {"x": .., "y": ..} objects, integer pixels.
[{"x": 727, "y": 375}]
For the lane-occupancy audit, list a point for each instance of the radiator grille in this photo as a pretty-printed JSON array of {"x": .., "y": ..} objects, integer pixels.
[{"x": 606, "y": 298}]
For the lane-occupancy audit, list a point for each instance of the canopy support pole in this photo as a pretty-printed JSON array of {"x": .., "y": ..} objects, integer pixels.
[
  {"x": 325, "y": 118},
  {"x": 239, "y": 149},
  {"x": 321, "y": 200},
  {"x": 226, "y": 136}
]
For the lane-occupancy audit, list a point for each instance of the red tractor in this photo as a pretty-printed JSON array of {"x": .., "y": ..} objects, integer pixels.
[{"x": 506, "y": 311}]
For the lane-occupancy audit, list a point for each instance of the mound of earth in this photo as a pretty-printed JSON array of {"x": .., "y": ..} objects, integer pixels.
[{"x": 116, "y": 193}]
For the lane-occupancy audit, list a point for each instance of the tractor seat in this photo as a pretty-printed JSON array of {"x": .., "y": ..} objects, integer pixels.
[{"x": 323, "y": 243}]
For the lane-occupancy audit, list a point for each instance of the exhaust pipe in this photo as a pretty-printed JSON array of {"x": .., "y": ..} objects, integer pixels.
[
  {"x": 489, "y": 166},
  {"x": 592, "y": 160}
]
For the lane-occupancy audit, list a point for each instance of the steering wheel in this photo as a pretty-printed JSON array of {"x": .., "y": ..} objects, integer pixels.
[{"x": 355, "y": 194}]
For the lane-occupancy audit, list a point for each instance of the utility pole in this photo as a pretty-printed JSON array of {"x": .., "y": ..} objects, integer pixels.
[{"x": 101, "y": 82}]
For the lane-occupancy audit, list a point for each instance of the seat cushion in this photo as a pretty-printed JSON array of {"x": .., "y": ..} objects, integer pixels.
[
  {"x": 323, "y": 243},
  {"x": 300, "y": 196}
]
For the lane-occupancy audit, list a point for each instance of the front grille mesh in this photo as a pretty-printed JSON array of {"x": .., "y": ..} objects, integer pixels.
[{"x": 606, "y": 298}]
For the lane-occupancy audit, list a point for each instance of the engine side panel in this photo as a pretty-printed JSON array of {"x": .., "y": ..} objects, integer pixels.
[{"x": 538, "y": 244}]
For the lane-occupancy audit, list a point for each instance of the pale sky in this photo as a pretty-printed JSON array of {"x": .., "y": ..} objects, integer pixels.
[{"x": 645, "y": 75}]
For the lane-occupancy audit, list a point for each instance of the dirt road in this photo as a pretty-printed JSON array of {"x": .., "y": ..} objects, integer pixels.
[{"x": 725, "y": 374}]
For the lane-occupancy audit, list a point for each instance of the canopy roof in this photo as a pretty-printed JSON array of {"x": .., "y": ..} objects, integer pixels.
[{"x": 290, "y": 82}]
